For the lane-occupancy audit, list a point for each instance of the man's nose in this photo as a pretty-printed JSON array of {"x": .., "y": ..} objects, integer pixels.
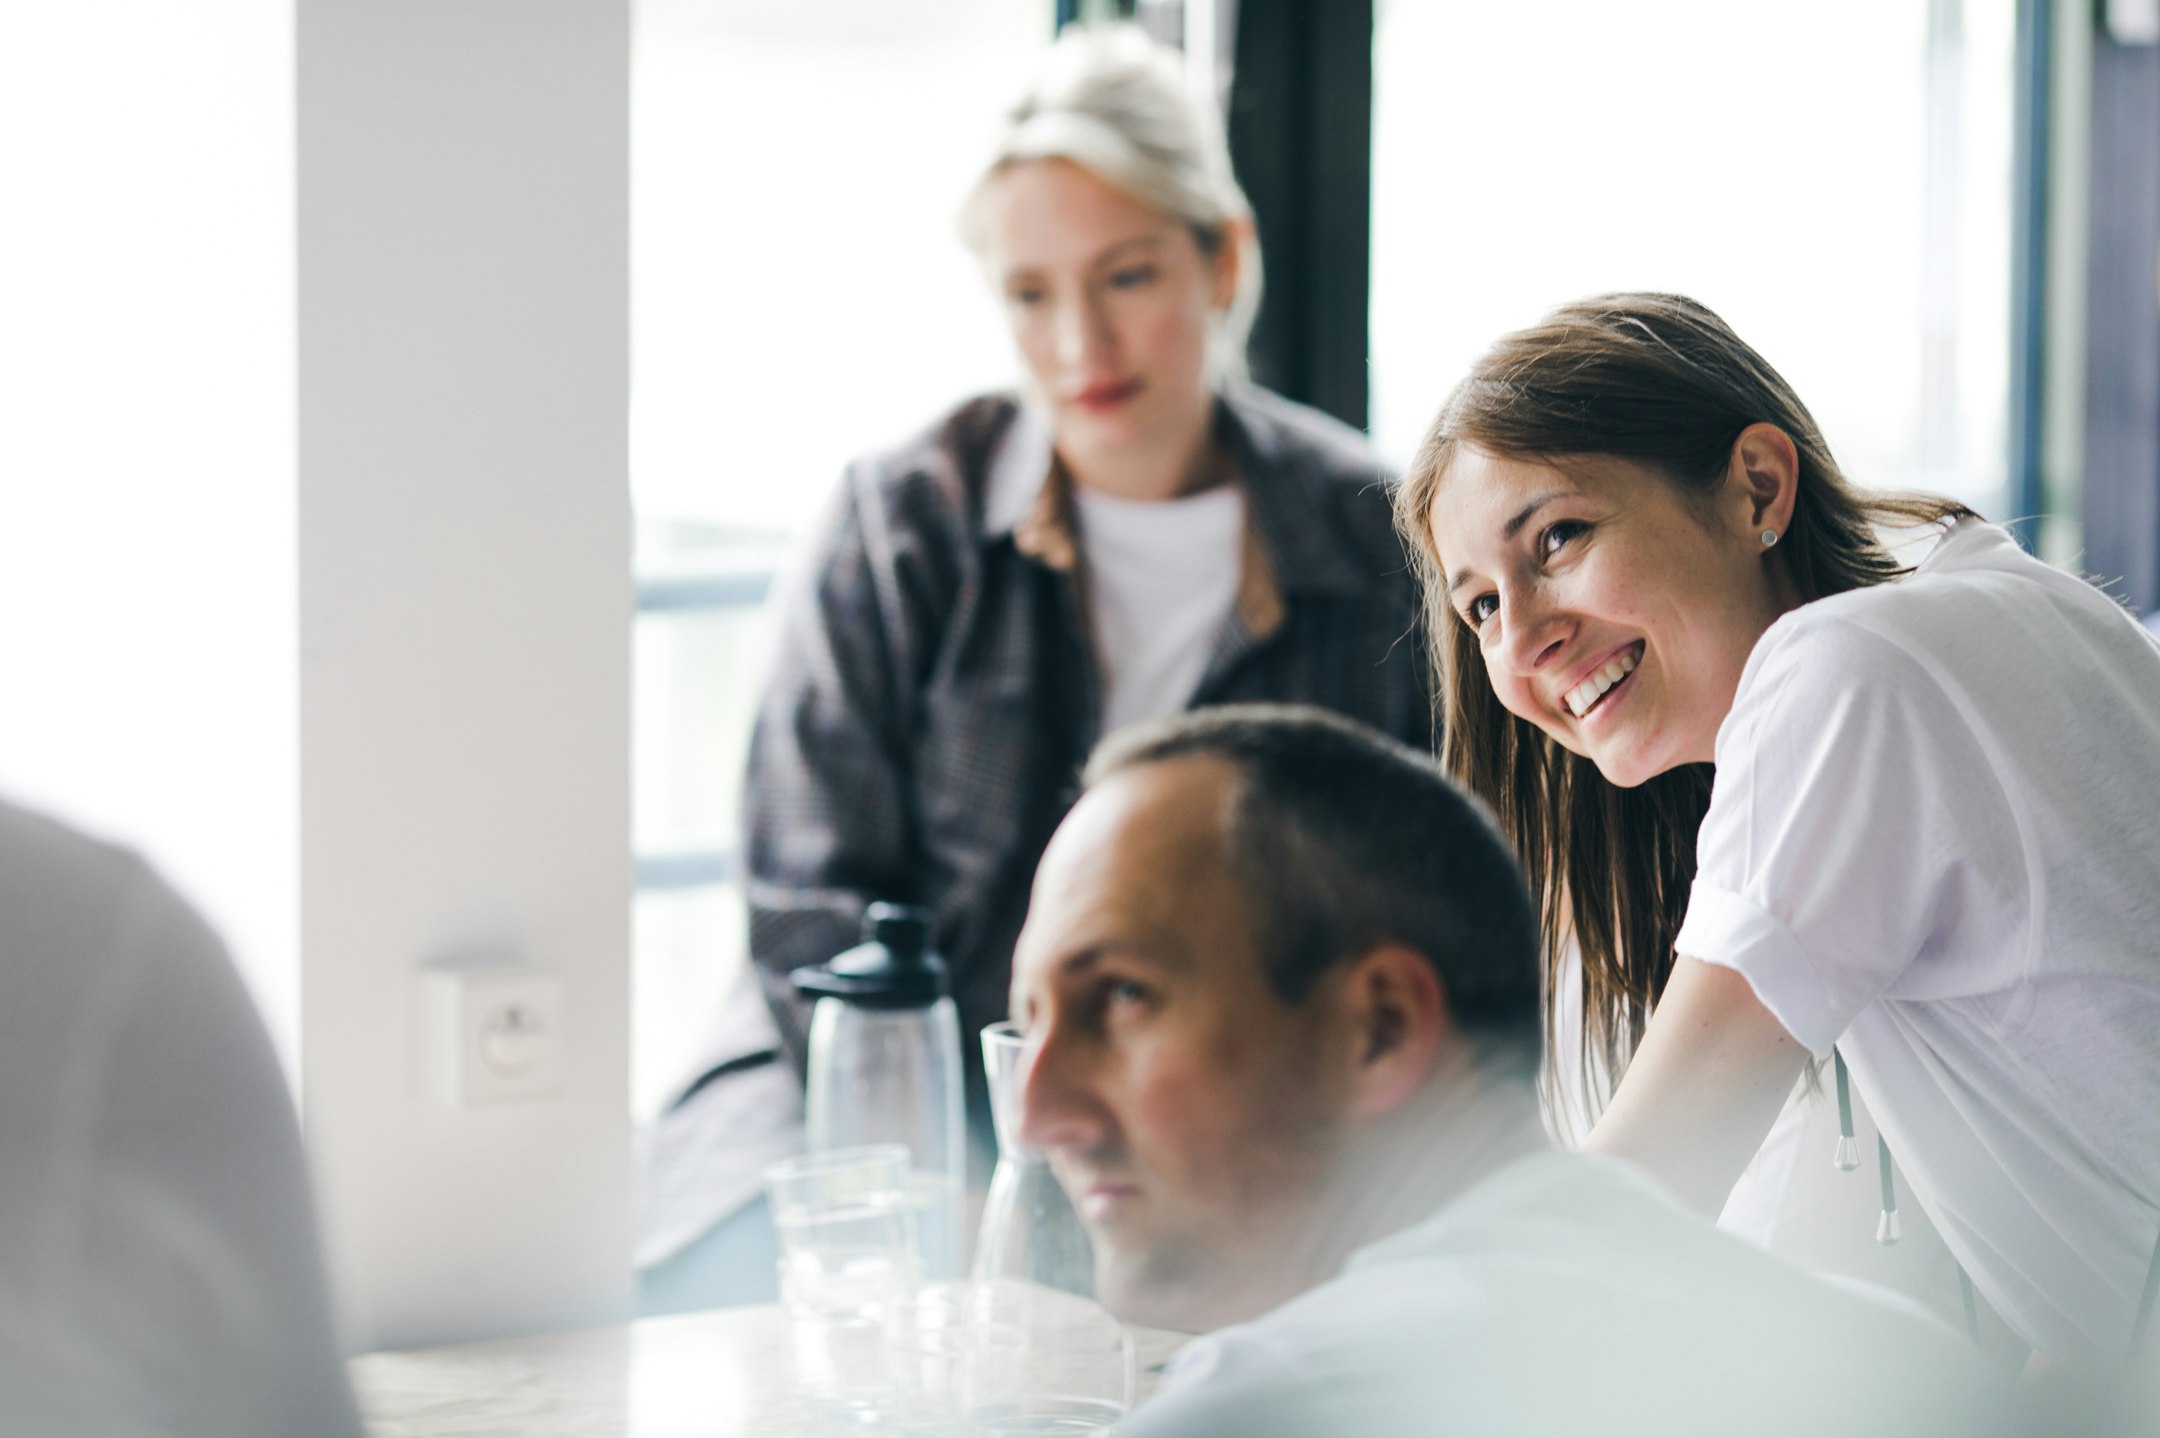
[{"x": 1055, "y": 1109}]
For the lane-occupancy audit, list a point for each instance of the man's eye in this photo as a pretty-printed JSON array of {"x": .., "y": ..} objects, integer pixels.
[
  {"x": 1024, "y": 297},
  {"x": 1481, "y": 609},
  {"x": 1124, "y": 998},
  {"x": 1559, "y": 533},
  {"x": 1133, "y": 277}
]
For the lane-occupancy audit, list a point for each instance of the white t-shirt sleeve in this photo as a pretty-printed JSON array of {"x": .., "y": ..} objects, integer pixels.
[{"x": 1841, "y": 831}]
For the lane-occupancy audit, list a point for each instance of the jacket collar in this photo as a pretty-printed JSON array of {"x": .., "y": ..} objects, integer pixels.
[{"x": 1293, "y": 542}]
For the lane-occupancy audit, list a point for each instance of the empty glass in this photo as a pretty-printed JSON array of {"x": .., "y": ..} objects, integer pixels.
[
  {"x": 1044, "y": 1361},
  {"x": 1030, "y": 1231},
  {"x": 1008, "y": 1360}
]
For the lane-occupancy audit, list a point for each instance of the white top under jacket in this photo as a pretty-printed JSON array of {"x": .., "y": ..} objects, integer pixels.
[{"x": 1161, "y": 579}]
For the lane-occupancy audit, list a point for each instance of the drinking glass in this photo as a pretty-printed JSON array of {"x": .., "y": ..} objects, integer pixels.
[
  {"x": 846, "y": 1223},
  {"x": 1009, "y": 1360}
]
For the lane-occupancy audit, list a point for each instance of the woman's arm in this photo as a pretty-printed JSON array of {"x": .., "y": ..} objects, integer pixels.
[{"x": 1712, "y": 1071}]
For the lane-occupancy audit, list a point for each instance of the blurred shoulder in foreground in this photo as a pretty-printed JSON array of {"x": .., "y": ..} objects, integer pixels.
[{"x": 159, "y": 1265}]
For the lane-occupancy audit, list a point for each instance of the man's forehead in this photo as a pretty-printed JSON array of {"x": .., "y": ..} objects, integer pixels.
[
  {"x": 1138, "y": 851},
  {"x": 1148, "y": 820}
]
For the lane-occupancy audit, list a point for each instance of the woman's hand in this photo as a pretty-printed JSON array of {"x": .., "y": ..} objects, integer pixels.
[{"x": 1712, "y": 1071}]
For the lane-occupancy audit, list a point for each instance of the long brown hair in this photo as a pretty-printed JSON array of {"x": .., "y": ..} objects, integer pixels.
[{"x": 1659, "y": 380}]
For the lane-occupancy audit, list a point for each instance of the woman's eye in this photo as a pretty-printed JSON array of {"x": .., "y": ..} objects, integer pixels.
[
  {"x": 1481, "y": 609},
  {"x": 1024, "y": 297},
  {"x": 1558, "y": 534},
  {"x": 1133, "y": 277}
]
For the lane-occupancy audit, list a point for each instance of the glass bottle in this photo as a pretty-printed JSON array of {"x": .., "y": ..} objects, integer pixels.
[{"x": 1030, "y": 1231}]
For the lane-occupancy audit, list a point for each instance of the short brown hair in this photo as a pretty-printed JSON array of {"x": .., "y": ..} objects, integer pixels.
[{"x": 1344, "y": 839}]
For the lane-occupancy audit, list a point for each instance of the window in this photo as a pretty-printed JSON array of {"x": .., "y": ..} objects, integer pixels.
[
  {"x": 1833, "y": 179},
  {"x": 799, "y": 295},
  {"x": 147, "y": 535}
]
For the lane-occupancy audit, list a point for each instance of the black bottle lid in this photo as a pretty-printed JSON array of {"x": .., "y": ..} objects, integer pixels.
[{"x": 892, "y": 968}]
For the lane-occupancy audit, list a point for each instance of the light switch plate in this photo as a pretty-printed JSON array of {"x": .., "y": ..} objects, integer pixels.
[{"x": 498, "y": 1034}]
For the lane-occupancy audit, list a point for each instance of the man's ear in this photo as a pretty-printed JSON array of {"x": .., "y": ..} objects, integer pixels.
[{"x": 1396, "y": 1012}]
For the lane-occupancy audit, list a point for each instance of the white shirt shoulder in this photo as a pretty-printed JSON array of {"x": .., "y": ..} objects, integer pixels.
[{"x": 1564, "y": 1293}]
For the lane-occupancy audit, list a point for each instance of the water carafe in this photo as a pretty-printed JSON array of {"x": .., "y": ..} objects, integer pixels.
[
  {"x": 1033, "y": 1289},
  {"x": 1030, "y": 1232},
  {"x": 884, "y": 1067}
]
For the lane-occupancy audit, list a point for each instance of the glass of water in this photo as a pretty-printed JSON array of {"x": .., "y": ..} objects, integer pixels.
[{"x": 846, "y": 1223}]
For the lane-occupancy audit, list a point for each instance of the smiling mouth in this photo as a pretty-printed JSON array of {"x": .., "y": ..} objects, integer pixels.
[{"x": 1592, "y": 692}]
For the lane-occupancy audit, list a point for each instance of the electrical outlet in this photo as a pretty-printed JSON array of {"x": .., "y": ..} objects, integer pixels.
[{"x": 499, "y": 1034}]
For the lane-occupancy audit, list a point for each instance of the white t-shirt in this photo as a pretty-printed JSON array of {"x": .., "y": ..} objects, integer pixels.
[
  {"x": 1162, "y": 576},
  {"x": 1566, "y": 1294},
  {"x": 1934, "y": 841},
  {"x": 159, "y": 1271}
]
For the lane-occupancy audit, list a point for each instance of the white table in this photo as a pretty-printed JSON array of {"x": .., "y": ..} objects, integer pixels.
[{"x": 714, "y": 1375}]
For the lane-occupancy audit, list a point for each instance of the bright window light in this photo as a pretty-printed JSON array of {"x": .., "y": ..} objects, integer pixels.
[
  {"x": 799, "y": 295},
  {"x": 147, "y": 610},
  {"x": 1834, "y": 179}
]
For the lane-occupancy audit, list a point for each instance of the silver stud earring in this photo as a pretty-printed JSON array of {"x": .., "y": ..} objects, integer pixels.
[{"x": 1769, "y": 537}]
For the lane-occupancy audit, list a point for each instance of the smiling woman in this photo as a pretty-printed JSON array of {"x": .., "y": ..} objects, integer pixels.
[
  {"x": 1605, "y": 482},
  {"x": 1782, "y": 791}
]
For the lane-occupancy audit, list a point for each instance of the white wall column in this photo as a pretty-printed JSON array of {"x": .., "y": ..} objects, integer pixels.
[{"x": 465, "y": 596}]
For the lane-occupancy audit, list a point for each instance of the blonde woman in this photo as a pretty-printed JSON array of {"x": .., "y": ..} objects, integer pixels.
[{"x": 1135, "y": 532}]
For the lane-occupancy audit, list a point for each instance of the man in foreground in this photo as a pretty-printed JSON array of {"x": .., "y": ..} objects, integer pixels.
[{"x": 1280, "y": 983}]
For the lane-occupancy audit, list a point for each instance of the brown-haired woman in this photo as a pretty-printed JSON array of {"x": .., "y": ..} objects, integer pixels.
[{"x": 1781, "y": 791}]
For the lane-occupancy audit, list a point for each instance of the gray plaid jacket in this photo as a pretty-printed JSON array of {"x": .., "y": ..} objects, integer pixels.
[{"x": 935, "y": 690}]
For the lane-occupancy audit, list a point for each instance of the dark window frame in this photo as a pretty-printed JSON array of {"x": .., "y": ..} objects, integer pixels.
[{"x": 2121, "y": 489}]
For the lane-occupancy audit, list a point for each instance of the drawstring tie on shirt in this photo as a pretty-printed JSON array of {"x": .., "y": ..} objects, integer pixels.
[
  {"x": 1887, "y": 1228},
  {"x": 1847, "y": 1157}
]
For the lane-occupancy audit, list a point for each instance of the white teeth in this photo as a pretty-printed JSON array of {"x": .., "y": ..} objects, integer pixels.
[{"x": 1582, "y": 696}]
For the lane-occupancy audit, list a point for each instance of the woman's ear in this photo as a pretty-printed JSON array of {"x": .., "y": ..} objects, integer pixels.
[
  {"x": 1764, "y": 476},
  {"x": 1396, "y": 1012}
]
